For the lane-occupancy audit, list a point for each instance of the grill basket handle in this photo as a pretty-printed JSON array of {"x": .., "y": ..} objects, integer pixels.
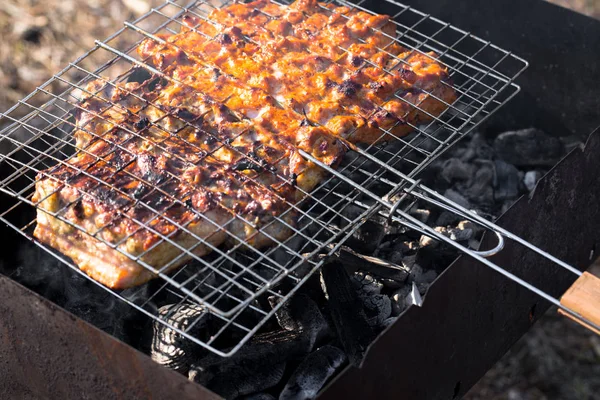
[{"x": 583, "y": 297}]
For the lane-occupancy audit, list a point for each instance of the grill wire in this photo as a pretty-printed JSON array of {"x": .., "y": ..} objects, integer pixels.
[{"x": 232, "y": 284}]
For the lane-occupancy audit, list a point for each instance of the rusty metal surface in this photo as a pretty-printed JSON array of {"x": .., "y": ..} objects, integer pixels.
[
  {"x": 47, "y": 353},
  {"x": 473, "y": 315}
]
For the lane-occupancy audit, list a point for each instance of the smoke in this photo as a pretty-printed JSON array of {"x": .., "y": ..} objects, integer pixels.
[{"x": 51, "y": 278}]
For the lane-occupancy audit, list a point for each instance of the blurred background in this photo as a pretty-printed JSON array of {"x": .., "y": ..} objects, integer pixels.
[{"x": 555, "y": 360}]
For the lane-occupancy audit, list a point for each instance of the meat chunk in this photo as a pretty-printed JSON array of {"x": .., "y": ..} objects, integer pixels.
[{"x": 208, "y": 153}]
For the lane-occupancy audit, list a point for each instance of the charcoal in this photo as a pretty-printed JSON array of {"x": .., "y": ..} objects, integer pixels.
[
  {"x": 378, "y": 267},
  {"x": 466, "y": 224},
  {"x": 415, "y": 273},
  {"x": 447, "y": 218},
  {"x": 368, "y": 236},
  {"x": 243, "y": 379},
  {"x": 347, "y": 311},
  {"x": 258, "y": 396},
  {"x": 282, "y": 256},
  {"x": 456, "y": 197},
  {"x": 478, "y": 149},
  {"x": 266, "y": 349},
  {"x": 507, "y": 183},
  {"x": 312, "y": 373},
  {"x": 531, "y": 178},
  {"x": 302, "y": 314},
  {"x": 366, "y": 284},
  {"x": 422, "y": 288},
  {"x": 456, "y": 169},
  {"x": 283, "y": 315},
  {"x": 171, "y": 349},
  {"x": 255, "y": 367},
  {"x": 460, "y": 235},
  {"x": 398, "y": 300},
  {"x": 480, "y": 189},
  {"x": 426, "y": 277},
  {"x": 529, "y": 148},
  {"x": 378, "y": 308},
  {"x": 396, "y": 257}
]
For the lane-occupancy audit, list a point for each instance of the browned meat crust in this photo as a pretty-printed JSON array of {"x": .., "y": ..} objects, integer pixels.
[{"x": 208, "y": 153}]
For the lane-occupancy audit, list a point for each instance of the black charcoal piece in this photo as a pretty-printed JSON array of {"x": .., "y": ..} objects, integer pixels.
[
  {"x": 312, "y": 373},
  {"x": 354, "y": 262},
  {"x": 529, "y": 148},
  {"x": 255, "y": 367},
  {"x": 347, "y": 311},
  {"x": 171, "y": 349},
  {"x": 507, "y": 182},
  {"x": 283, "y": 315},
  {"x": 243, "y": 379},
  {"x": 368, "y": 236},
  {"x": 258, "y": 396}
]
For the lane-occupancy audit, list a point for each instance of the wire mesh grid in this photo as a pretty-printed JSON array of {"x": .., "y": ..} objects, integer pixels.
[{"x": 231, "y": 282}]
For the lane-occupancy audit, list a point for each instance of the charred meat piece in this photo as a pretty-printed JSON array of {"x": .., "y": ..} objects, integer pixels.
[{"x": 208, "y": 153}]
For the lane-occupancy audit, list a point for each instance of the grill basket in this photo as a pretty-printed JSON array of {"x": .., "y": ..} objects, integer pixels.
[{"x": 233, "y": 283}]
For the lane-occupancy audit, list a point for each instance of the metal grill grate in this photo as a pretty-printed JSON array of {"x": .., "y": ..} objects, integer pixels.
[{"x": 232, "y": 283}]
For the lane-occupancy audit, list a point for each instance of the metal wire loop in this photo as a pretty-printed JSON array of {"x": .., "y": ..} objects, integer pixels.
[
  {"x": 402, "y": 198},
  {"x": 495, "y": 250}
]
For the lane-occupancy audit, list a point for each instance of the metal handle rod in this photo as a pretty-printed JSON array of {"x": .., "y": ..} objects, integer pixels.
[
  {"x": 484, "y": 253},
  {"x": 431, "y": 232},
  {"x": 451, "y": 206}
]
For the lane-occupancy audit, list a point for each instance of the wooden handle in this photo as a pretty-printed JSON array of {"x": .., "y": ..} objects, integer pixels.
[{"x": 583, "y": 297}]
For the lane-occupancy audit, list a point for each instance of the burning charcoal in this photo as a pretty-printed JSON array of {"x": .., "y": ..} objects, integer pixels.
[
  {"x": 264, "y": 352},
  {"x": 312, "y": 373},
  {"x": 415, "y": 273},
  {"x": 460, "y": 235},
  {"x": 282, "y": 256},
  {"x": 169, "y": 348},
  {"x": 378, "y": 307},
  {"x": 399, "y": 300},
  {"x": 456, "y": 197},
  {"x": 447, "y": 218},
  {"x": 368, "y": 236},
  {"x": 258, "y": 396},
  {"x": 426, "y": 278},
  {"x": 385, "y": 271},
  {"x": 366, "y": 284},
  {"x": 302, "y": 314},
  {"x": 507, "y": 181},
  {"x": 283, "y": 315},
  {"x": 455, "y": 169},
  {"x": 422, "y": 288},
  {"x": 529, "y": 148},
  {"x": 243, "y": 379},
  {"x": 480, "y": 189},
  {"x": 531, "y": 178},
  {"x": 347, "y": 311},
  {"x": 255, "y": 367}
]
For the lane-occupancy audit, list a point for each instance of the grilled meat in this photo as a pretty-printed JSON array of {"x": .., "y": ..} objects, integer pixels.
[{"x": 208, "y": 152}]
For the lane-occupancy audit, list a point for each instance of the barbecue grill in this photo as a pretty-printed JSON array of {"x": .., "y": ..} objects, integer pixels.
[
  {"x": 380, "y": 179},
  {"x": 228, "y": 283}
]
